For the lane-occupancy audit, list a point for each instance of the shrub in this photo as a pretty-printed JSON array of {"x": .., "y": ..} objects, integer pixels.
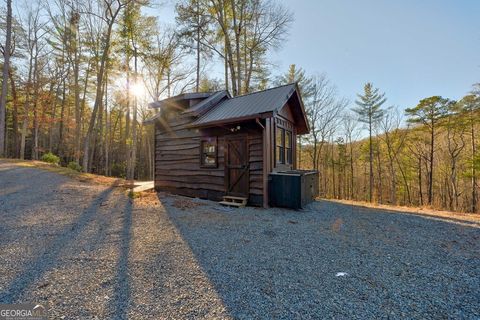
[
  {"x": 118, "y": 170},
  {"x": 74, "y": 166},
  {"x": 50, "y": 158},
  {"x": 133, "y": 195}
]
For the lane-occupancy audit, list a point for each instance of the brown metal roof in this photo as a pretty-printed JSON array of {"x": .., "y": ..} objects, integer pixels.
[
  {"x": 219, "y": 108},
  {"x": 248, "y": 106}
]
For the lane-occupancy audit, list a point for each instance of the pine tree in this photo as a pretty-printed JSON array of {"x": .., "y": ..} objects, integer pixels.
[
  {"x": 370, "y": 112},
  {"x": 298, "y": 75},
  {"x": 193, "y": 26}
]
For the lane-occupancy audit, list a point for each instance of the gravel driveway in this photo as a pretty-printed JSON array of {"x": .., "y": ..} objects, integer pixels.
[{"x": 91, "y": 252}]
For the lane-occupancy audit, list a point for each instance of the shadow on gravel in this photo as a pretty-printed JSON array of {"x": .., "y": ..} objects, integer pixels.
[
  {"x": 50, "y": 257},
  {"x": 284, "y": 264},
  {"x": 122, "y": 289}
]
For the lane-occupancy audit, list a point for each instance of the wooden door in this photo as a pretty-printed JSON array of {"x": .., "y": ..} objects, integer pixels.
[{"x": 236, "y": 166}]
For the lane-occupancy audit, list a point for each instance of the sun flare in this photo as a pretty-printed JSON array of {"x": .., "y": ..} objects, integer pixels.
[{"x": 137, "y": 89}]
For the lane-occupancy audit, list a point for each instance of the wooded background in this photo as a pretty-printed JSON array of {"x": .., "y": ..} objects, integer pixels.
[{"x": 77, "y": 77}]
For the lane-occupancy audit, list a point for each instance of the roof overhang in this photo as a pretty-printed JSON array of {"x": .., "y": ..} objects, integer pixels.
[
  {"x": 207, "y": 104},
  {"x": 183, "y": 96},
  {"x": 228, "y": 121}
]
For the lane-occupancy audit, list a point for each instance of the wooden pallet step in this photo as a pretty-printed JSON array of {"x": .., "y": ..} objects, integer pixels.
[
  {"x": 232, "y": 204},
  {"x": 232, "y": 198},
  {"x": 236, "y": 201}
]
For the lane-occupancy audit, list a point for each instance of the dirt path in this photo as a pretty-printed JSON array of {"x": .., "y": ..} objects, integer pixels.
[{"x": 90, "y": 252}]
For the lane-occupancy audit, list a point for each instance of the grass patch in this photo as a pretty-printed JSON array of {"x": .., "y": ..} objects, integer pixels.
[
  {"x": 422, "y": 211},
  {"x": 74, "y": 174}
]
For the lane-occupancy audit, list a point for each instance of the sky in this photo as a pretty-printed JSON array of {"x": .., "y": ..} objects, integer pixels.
[{"x": 410, "y": 49}]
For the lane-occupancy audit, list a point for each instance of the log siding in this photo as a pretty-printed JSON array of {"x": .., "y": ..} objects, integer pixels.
[{"x": 178, "y": 167}]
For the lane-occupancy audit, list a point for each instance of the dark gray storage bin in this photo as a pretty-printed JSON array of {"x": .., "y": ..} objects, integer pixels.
[{"x": 292, "y": 189}]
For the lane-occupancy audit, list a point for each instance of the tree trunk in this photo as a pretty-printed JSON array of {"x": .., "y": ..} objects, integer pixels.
[
  {"x": 237, "y": 26},
  {"x": 14, "y": 113},
  {"x": 107, "y": 132},
  {"x": 420, "y": 179},
  {"x": 197, "y": 82},
  {"x": 474, "y": 173},
  {"x": 6, "y": 67},
  {"x": 351, "y": 171},
  {"x": 98, "y": 146},
  {"x": 52, "y": 117},
  {"x": 78, "y": 113},
  {"x": 430, "y": 174},
  {"x": 35, "y": 106},
  {"x": 393, "y": 187},
  {"x": 82, "y": 109},
  {"x": 127, "y": 116},
  {"x": 228, "y": 48},
  {"x": 333, "y": 169},
  {"x": 133, "y": 159},
  {"x": 26, "y": 106},
  {"x": 405, "y": 182},
  {"x": 370, "y": 186},
  {"x": 380, "y": 185},
  {"x": 226, "y": 70},
  {"x": 453, "y": 181},
  {"x": 59, "y": 149}
]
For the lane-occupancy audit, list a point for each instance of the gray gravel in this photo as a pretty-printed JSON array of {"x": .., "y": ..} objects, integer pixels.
[
  {"x": 283, "y": 264},
  {"x": 93, "y": 253}
]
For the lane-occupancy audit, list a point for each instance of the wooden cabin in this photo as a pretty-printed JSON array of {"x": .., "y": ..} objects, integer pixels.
[{"x": 209, "y": 145}]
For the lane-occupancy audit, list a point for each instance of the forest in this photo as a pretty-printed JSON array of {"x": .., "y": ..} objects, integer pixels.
[{"x": 77, "y": 77}]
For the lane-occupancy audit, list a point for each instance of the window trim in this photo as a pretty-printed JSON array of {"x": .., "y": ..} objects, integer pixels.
[
  {"x": 214, "y": 141},
  {"x": 278, "y": 159},
  {"x": 288, "y": 148},
  {"x": 285, "y": 150}
]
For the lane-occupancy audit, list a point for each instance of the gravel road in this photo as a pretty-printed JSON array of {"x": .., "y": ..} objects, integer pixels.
[{"x": 90, "y": 252}]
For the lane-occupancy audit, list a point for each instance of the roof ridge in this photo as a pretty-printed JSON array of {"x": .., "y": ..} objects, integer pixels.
[{"x": 260, "y": 91}]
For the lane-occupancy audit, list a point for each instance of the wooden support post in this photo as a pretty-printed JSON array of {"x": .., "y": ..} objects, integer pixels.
[{"x": 266, "y": 159}]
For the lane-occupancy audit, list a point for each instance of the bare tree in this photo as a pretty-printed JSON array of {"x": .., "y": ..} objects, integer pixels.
[
  {"x": 164, "y": 67},
  {"x": 394, "y": 138},
  {"x": 34, "y": 33},
  {"x": 323, "y": 115},
  {"x": 455, "y": 141},
  {"x": 350, "y": 126},
  {"x": 240, "y": 33}
]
